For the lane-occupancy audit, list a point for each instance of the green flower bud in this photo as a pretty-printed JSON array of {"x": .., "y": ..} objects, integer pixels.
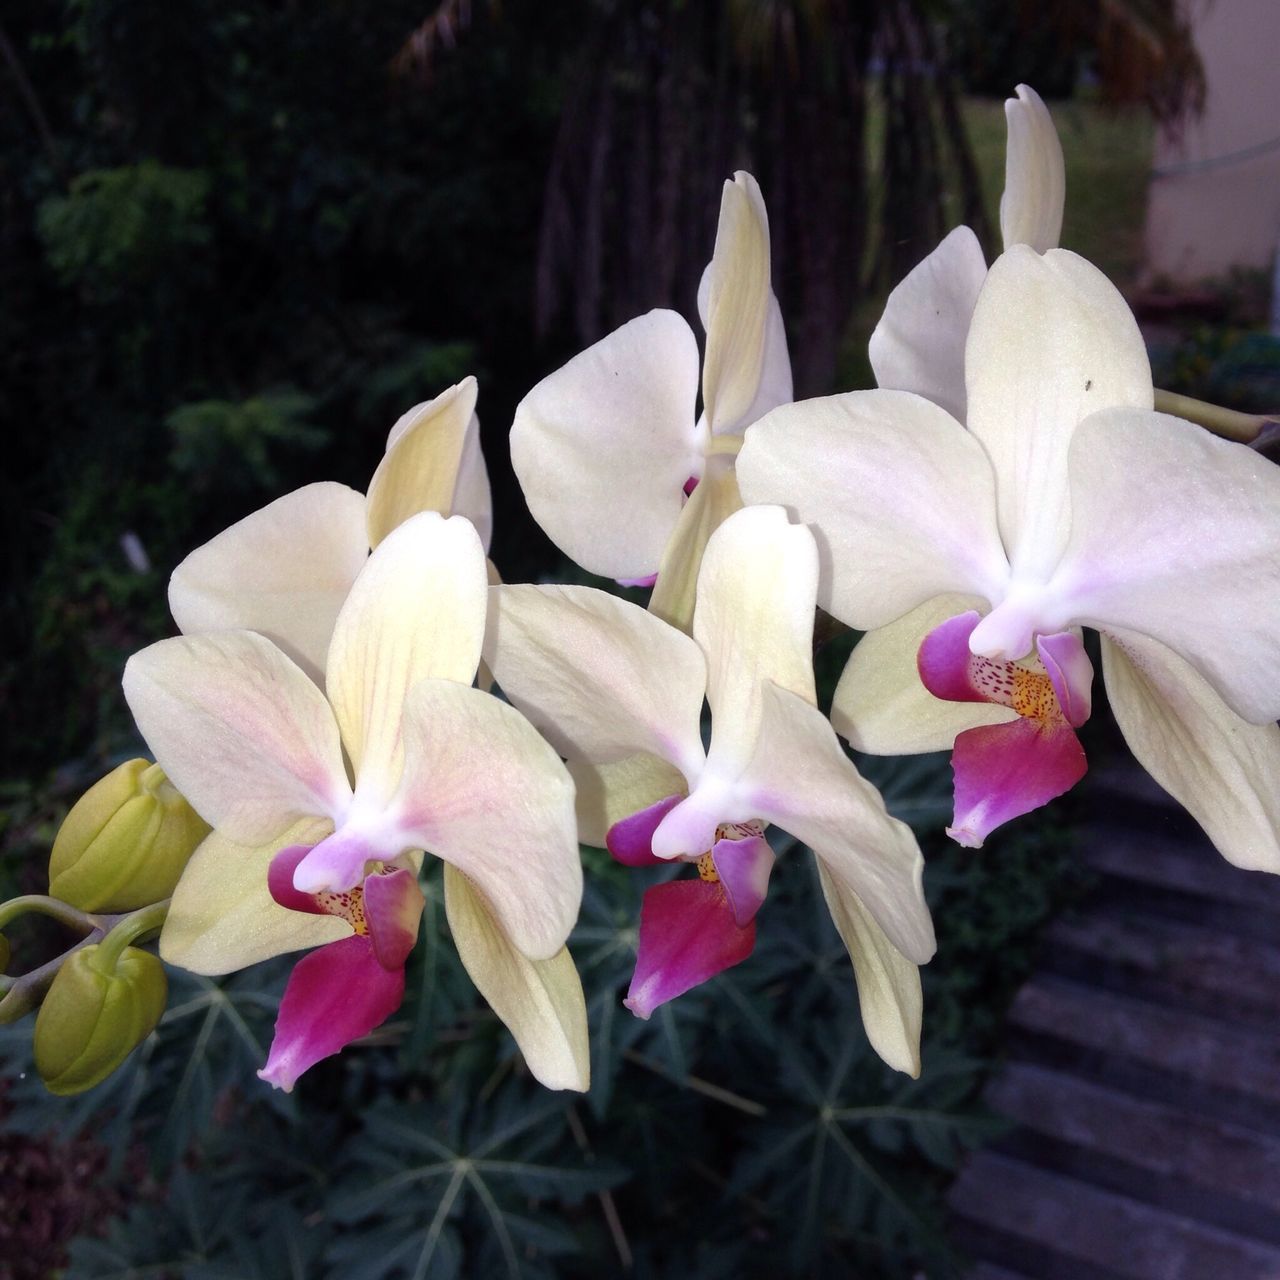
[
  {"x": 125, "y": 842},
  {"x": 92, "y": 1020}
]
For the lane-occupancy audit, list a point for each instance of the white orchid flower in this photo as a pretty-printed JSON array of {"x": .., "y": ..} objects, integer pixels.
[
  {"x": 285, "y": 570},
  {"x": 619, "y": 693},
  {"x": 974, "y": 556},
  {"x": 616, "y": 464},
  {"x": 307, "y": 853}
]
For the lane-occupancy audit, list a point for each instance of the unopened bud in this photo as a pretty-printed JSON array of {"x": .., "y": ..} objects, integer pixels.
[
  {"x": 125, "y": 842},
  {"x": 95, "y": 1014}
]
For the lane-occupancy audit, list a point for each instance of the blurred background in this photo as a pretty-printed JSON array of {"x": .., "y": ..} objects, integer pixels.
[{"x": 237, "y": 241}]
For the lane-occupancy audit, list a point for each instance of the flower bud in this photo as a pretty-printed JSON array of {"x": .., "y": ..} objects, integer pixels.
[
  {"x": 95, "y": 1014},
  {"x": 125, "y": 842}
]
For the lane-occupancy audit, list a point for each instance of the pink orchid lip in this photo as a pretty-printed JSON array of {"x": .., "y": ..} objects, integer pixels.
[
  {"x": 744, "y": 866},
  {"x": 630, "y": 840},
  {"x": 393, "y": 903}
]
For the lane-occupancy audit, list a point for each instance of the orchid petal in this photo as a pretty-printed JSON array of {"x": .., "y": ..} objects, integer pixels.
[
  {"x": 919, "y": 343},
  {"x": 283, "y": 571},
  {"x": 223, "y": 917},
  {"x": 600, "y": 677},
  {"x": 483, "y": 791},
  {"x": 889, "y": 992},
  {"x": 603, "y": 447},
  {"x": 1070, "y": 672},
  {"x": 240, "y": 730},
  {"x": 1220, "y": 768},
  {"x": 472, "y": 495},
  {"x": 900, "y": 498},
  {"x": 744, "y": 866},
  {"x": 754, "y": 621},
  {"x": 630, "y": 840},
  {"x": 881, "y": 704},
  {"x": 1175, "y": 536},
  {"x": 1051, "y": 342},
  {"x": 608, "y": 793},
  {"x": 540, "y": 1001},
  {"x": 800, "y": 780},
  {"x": 417, "y": 610},
  {"x": 687, "y": 935},
  {"x": 737, "y": 305},
  {"x": 335, "y": 995},
  {"x": 1003, "y": 771},
  {"x": 393, "y": 905},
  {"x": 419, "y": 471},
  {"x": 280, "y": 880},
  {"x": 1035, "y": 180},
  {"x": 714, "y": 500}
]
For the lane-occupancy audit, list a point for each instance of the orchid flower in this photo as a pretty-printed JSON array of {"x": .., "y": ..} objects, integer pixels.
[
  {"x": 619, "y": 693},
  {"x": 305, "y": 853},
  {"x": 616, "y": 465},
  {"x": 974, "y": 556},
  {"x": 285, "y": 570}
]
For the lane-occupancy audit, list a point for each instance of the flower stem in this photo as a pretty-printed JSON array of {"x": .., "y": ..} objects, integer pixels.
[
  {"x": 127, "y": 930},
  {"x": 1231, "y": 424},
  {"x": 46, "y": 906}
]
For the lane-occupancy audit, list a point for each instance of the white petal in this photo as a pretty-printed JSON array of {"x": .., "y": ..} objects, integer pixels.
[
  {"x": 241, "y": 731},
  {"x": 223, "y": 917},
  {"x": 880, "y": 704},
  {"x": 889, "y": 992},
  {"x": 607, "y": 793},
  {"x": 483, "y": 791},
  {"x": 416, "y": 610},
  {"x": 1222, "y": 769},
  {"x": 540, "y": 1001},
  {"x": 1176, "y": 535},
  {"x": 919, "y": 343},
  {"x": 283, "y": 571},
  {"x": 419, "y": 471},
  {"x": 600, "y": 677},
  {"x": 1051, "y": 342},
  {"x": 900, "y": 498},
  {"x": 472, "y": 497},
  {"x": 754, "y": 621},
  {"x": 604, "y": 447},
  {"x": 1035, "y": 182},
  {"x": 738, "y": 301},
  {"x": 802, "y": 781}
]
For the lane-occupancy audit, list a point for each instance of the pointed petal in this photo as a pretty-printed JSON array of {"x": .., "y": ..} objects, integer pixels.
[
  {"x": 919, "y": 343},
  {"x": 754, "y": 621},
  {"x": 714, "y": 500},
  {"x": 744, "y": 867},
  {"x": 540, "y": 1001},
  {"x": 687, "y": 935},
  {"x": 1175, "y": 535},
  {"x": 283, "y": 571},
  {"x": 1003, "y": 771},
  {"x": 630, "y": 840},
  {"x": 924, "y": 520},
  {"x": 393, "y": 905},
  {"x": 889, "y": 992},
  {"x": 1051, "y": 342},
  {"x": 1035, "y": 181},
  {"x": 882, "y": 706},
  {"x": 1222, "y": 769},
  {"x": 472, "y": 496},
  {"x": 240, "y": 730},
  {"x": 223, "y": 917},
  {"x": 335, "y": 995},
  {"x": 803, "y": 782},
  {"x": 603, "y": 447},
  {"x": 608, "y": 793},
  {"x": 417, "y": 610},
  {"x": 419, "y": 471},
  {"x": 600, "y": 677},
  {"x": 483, "y": 791}
]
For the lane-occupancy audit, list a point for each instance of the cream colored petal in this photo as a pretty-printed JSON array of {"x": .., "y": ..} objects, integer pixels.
[
  {"x": 607, "y": 793},
  {"x": 1035, "y": 181},
  {"x": 417, "y": 610},
  {"x": 1221, "y": 768},
  {"x": 540, "y": 1001},
  {"x": 714, "y": 500},
  {"x": 223, "y": 917},
  {"x": 472, "y": 496},
  {"x": 283, "y": 571},
  {"x": 240, "y": 730},
  {"x": 484, "y": 792},
  {"x": 889, "y": 992},
  {"x": 881, "y": 706},
  {"x": 600, "y": 677},
  {"x": 754, "y": 621}
]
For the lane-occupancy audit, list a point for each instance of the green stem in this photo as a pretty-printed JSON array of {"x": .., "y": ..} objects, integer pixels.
[
  {"x": 46, "y": 906},
  {"x": 1231, "y": 424},
  {"x": 137, "y": 924}
]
